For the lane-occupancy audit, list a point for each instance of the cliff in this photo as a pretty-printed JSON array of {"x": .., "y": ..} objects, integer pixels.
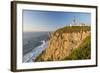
[{"x": 63, "y": 41}]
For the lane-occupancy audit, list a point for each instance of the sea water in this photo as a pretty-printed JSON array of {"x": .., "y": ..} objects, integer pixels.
[{"x": 33, "y": 44}]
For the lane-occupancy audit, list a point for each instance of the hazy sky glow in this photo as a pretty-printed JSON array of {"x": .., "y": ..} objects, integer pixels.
[{"x": 34, "y": 20}]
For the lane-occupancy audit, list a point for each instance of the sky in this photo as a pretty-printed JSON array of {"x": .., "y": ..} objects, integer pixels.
[{"x": 34, "y": 20}]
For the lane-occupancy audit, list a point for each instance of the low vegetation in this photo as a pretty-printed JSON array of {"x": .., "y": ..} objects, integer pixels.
[
  {"x": 74, "y": 29},
  {"x": 83, "y": 52}
]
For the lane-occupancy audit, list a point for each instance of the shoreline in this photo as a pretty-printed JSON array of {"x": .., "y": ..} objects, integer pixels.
[{"x": 31, "y": 56}]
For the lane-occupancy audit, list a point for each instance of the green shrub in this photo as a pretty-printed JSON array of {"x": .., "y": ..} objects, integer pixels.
[{"x": 82, "y": 52}]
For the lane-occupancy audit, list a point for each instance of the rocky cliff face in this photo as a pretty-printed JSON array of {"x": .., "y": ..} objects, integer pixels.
[{"x": 62, "y": 42}]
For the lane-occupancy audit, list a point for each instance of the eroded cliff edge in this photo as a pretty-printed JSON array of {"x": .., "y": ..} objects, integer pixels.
[{"x": 63, "y": 41}]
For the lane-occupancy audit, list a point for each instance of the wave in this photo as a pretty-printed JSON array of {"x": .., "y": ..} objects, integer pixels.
[{"x": 31, "y": 56}]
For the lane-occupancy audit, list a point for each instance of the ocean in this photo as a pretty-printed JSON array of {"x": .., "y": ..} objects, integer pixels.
[{"x": 33, "y": 44}]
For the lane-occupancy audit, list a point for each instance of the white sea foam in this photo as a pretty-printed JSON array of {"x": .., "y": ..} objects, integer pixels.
[{"x": 31, "y": 56}]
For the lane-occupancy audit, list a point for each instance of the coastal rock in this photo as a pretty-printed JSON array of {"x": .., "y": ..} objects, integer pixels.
[{"x": 61, "y": 44}]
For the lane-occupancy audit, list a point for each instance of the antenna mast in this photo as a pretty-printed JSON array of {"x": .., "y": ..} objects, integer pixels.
[{"x": 74, "y": 21}]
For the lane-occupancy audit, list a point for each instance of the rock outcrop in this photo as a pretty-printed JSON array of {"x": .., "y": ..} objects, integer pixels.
[{"x": 63, "y": 41}]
